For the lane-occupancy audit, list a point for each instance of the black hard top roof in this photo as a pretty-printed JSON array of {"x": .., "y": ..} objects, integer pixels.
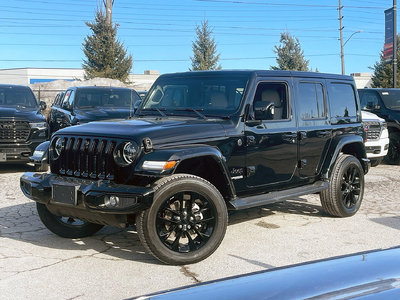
[{"x": 262, "y": 73}]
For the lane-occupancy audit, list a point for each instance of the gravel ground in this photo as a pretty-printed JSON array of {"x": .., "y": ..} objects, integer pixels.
[{"x": 36, "y": 264}]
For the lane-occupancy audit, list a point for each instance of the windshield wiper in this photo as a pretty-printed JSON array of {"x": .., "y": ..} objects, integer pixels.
[
  {"x": 197, "y": 111},
  {"x": 159, "y": 110}
]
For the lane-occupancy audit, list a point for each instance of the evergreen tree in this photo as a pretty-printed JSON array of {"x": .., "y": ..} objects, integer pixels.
[
  {"x": 289, "y": 54},
  {"x": 205, "y": 55},
  {"x": 383, "y": 71},
  {"x": 105, "y": 55}
]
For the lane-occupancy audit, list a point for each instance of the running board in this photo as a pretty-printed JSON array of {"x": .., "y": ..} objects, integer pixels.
[{"x": 263, "y": 199}]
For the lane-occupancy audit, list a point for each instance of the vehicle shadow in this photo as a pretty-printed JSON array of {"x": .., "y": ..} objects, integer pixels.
[
  {"x": 13, "y": 168},
  {"x": 21, "y": 222}
]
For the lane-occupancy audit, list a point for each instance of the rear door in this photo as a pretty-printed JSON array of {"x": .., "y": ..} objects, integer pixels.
[{"x": 315, "y": 131}]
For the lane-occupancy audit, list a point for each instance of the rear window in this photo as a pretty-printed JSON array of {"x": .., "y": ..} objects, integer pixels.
[
  {"x": 343, "y": 102},
  {"x": 17, "y": 96}
]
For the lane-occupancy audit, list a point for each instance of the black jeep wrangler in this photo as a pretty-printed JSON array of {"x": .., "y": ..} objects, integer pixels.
[
  {"x": 22, "y": 124},
  {"x": 202, "y": 143},
  {"x": 79, "y": 105}
]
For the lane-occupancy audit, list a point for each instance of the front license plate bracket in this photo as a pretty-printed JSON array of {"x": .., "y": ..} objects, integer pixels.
[{"x": 65, "y": 194}]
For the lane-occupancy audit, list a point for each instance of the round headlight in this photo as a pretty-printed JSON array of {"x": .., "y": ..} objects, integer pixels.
[
  {"x": 129, "y": 153},
  {"x": 125, "y": 154},
  {"x": 58, "y": 145}
]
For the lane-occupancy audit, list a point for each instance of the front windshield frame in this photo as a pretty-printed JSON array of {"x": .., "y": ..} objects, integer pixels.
[
  {"x": 25, "y": 96},
  {"x": 130, "y": 97},
  {"x": 227, "y": 87},
  {"x": 391, "y": 99}
]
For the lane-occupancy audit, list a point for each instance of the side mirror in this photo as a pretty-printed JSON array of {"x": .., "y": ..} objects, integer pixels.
[
  {"x": 264, "y": 110},
  {"x": 43, "y": 105}
]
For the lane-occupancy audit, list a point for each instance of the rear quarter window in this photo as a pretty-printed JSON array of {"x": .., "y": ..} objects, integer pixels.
[{"x": 343, "y": 103}]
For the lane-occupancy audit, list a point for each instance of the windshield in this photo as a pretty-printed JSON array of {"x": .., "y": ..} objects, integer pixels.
[
  {"x": 212, "y": 95},
  {"x": 17, "y": 96},
  {"x": 106, "y": 98},
  {"x": 391, "y": 99}
]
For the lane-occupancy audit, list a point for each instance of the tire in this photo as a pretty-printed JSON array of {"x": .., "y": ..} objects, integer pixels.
[
  {"x": 393, "y": 155},
  {"x": 346, "y": 187},
  {"x": 64, "y": 226},
  {"x": 186, "y": 222},
  {"x": 376, "y": 161},
  {"x": 41, "y": 168}
]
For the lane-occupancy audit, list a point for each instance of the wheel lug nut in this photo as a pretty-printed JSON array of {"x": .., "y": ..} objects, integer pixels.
[
  {"x": 180, "y": 226},
  {"x": 189, "y": 227}
]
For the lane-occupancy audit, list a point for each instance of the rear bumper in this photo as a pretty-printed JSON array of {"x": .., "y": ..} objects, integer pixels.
[{"x": 91, "y": 196}]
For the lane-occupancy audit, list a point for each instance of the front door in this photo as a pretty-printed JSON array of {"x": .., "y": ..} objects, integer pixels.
[
  {"x": 315, "y": 131},
  {"x": 271, "y": 155}
]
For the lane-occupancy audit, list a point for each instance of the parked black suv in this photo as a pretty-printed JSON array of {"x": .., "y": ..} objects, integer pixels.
[
  {"x": 22, "y": 124},
  {"x": 202, "y": 143},
  {"x": 78, "y": 105},
  {"x": 386, "y": 104}
]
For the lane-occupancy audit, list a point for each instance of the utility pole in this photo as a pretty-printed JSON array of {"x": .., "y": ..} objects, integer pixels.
[
  {"x": 108, "y": 4},
  {"x": 341, "y": 36},
  {"x": 394, "y": 43}
]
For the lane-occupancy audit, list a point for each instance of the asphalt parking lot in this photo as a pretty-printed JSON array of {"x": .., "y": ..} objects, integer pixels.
[{"x": 36, "y": 264}]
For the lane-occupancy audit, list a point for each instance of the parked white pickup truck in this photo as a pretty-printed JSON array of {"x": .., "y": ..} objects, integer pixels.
[{"x": 377, "y": 143}]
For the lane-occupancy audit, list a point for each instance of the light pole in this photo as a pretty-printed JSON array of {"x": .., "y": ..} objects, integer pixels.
[{"x": 342, "y": 46}]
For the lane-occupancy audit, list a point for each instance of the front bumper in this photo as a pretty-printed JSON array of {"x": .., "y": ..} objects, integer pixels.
[
  {"x": 378, "y": 148},
  {"x": 15, "y": 152},
  {"x": 91, "y": 196}
]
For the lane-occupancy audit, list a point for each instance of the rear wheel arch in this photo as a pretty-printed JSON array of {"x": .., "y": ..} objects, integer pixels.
[{"x": 350, "y": 147}]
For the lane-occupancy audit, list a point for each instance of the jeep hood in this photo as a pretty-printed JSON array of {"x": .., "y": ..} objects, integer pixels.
[
  {"x": 160, "y": 131},
  {"x": 30, "y": 114}
]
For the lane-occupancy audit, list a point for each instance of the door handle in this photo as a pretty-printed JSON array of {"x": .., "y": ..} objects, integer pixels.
[
  {"x": 290, "y": 137},
  {"x": 302, "y": 135},
  {"x": 323, "y": 133}
]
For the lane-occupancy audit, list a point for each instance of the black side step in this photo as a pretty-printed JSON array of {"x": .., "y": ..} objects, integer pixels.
[{"x": 259, "y": 200}]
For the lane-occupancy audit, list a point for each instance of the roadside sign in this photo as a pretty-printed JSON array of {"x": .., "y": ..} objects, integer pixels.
[{"x": 388, "y": 46}]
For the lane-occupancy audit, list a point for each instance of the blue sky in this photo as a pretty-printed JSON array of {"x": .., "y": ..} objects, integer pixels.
[{"x": 159, "y": 34}]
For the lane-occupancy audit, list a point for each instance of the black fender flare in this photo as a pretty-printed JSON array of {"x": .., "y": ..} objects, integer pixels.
[
  {"x": 181, "y": 154},
  {"x": 41, "y": 154},
  {"x": 336, "y": 147}
]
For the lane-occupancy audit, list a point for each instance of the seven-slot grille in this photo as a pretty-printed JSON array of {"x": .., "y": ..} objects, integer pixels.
[
  {"x": 86, "y": 157},
  {"x": 373, "y": 129},
  {"x": 14, "y": 131}
]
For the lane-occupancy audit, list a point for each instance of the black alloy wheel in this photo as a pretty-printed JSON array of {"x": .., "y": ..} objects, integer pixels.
[
  {"x": 185, "y": 222},
  {"x": 346, "y": 187},
  {"x": 351, "y": 186}
]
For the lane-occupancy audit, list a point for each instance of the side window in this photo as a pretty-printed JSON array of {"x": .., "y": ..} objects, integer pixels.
[
  {"x": 311, "y": 101},
  {"x": 271, "y": 101},
  {"x": 342, "y": 101},
  {"x": 369, "y": 101}
]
